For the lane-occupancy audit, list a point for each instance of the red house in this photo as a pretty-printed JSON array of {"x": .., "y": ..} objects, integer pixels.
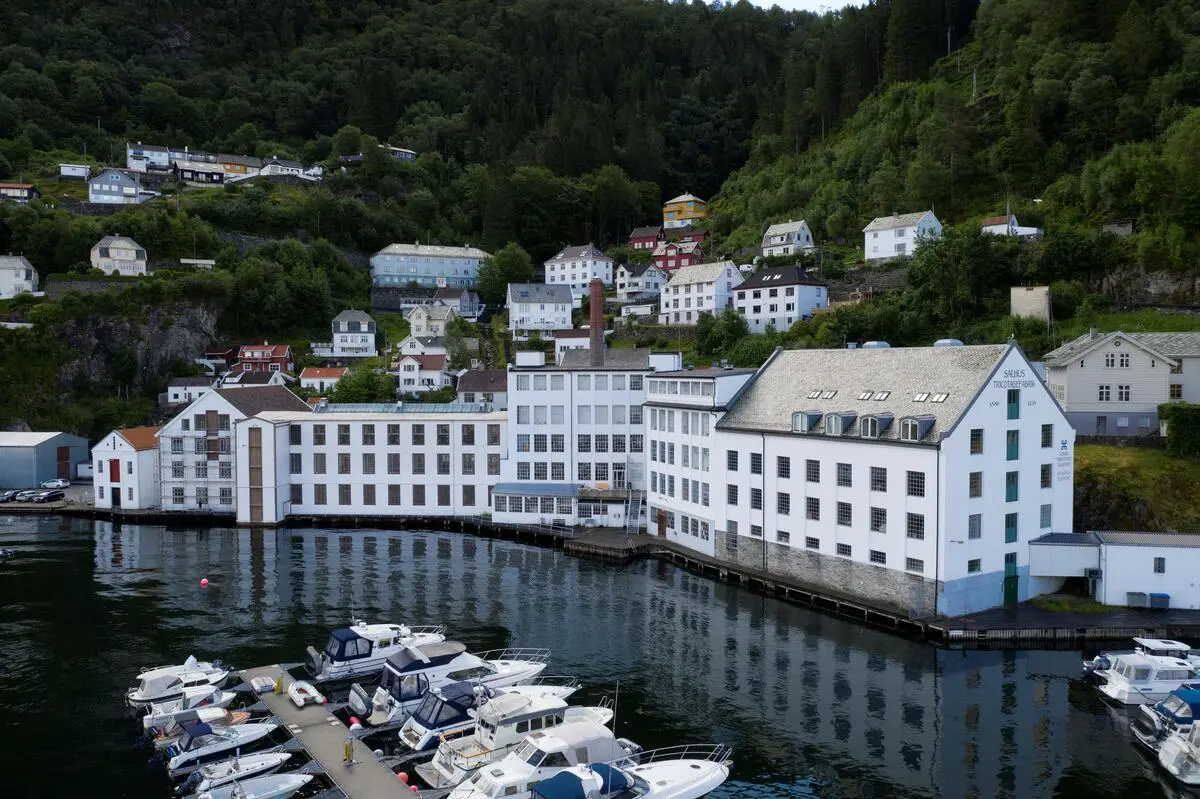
[
  {"x": 646, "y": 238},
  {"x": 671, "y": 255},
  {"x": 265, "y": 358}
]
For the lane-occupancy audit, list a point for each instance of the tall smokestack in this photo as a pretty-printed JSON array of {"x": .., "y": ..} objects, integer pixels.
[{"x": 596, "y": 324}]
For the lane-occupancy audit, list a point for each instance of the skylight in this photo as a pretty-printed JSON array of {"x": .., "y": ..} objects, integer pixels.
[
  {"x": 938, "y": 398},
  {"x": 924, "y": 395},
  {"x": 814, "y": 394},
  {"x": 882, "y": 395},
  {"x": 866, "y": 395},
  {"x": 829, "y": 394}
]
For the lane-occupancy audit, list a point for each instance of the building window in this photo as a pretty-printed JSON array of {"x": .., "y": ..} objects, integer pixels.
[
  {"x": 1122, "y": 393},
  {"x": 731, "y": 495},
  {"x": 1047, "y": 436},
  {"x": 878, "y": 520},
  {"x": 878, "y": 478},
  {"x": 418, "y": 463},
  {"x": 344, "y": 494},
  {"x": 319, "y": 497},
  {"x": 443, "y": 463},
  {"x": 1010, "y": 528},
  {"x": 1014, "y": 403},
  {"x": 878, "y": 557},
  {"x": 977, "y": 441},
  {"x": 318, "y": 434},
  {"x": 343, "y": 433},
  {"x": 1160, "y": 565},
  {"x": 1045, "y": 475},
  {"x": 869, "y": 427},
  {"x": 1012, "y": 445},
  {"x": 418, "y": 434},
  {"x": 914, "y": 565},
  {"x": 295, "y": 463},
  {"x": 344, "y": 462},
  {"x": 493, "y": 463},
  {"x": 916, "y": 484},
  {"x": 393, "y": 435},
  {"x": 975, "y": 525},
  {"x": 812, "y": 471},
  {"x": 845, "y": 475},
  {"x": 1176, "y": 391},
  {"x": 1104, "y": 393},
  {"x": 418, "y": 495},
  {"x": 731, "y": 460},
  {"x": 783, "y": 537},
  {"x": 1011, "y": 486},
  {"x": 225, "y": 470},
  {"x": 755, "y": 531},
  {"x": 1045, "y": 520},
  {"x": 177, "y": 496},
  {"x": 975, "y": 485},
  {"x": 973, "y": 566},
  {"x": 845, "y": 516},
  {"x": 318, "y": 463},
  {"x": 783, "y": 467},
  {"x": 756, "y": 501},
  {"x": 915, "y": 526},
  {"x": 811, "y": 542},
  {"x": 295, "y": 437},
  {"x": 493, "y": 435},
  {"x": 812, "y": 509},
  {"x": 783, "y": 504},
  {"x": 468, "y": 435},
  {"x": 368, "y": 435},
  {"x": 443, "y": 495}
]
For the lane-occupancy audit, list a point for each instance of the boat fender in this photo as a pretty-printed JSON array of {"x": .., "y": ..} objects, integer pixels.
[{"x": 278, "y": 686}]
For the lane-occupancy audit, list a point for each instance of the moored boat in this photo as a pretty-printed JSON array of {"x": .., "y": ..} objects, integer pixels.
[
  {"x": 164, "y": 736},
  {"x": 1163, "y": 647},
  {"x": 1179, "y": 755},
  {"x": 201, "y": 696},
  {"x": 361, "y": 649},
  {"x": 163, "y": 683},
  {"x": 1136, "y": 678},
  {"x": 678, "y": 772},
  {"x": 303, "y": 693},
  {"x": 202, "y": 744},
  {"x": 272, "y": 786},
  {"x": 239, "y": 767},
  {"x": 1177, "y": 713}
]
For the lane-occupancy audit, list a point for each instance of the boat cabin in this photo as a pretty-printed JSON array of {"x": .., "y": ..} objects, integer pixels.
[
  {"x": 1138, "y": 668},
  {"x": 1163, "y": 647},
  {"x": 450, "y": 705},
  {"x": 197, "y": 736},
  {"x": 363, "y": 640},
  {"x": 172, "y": 685},
  {"x": 404, "y": 674},
  {"x": 507, "y": 719},
  {"x": 1183, "y": 705}
]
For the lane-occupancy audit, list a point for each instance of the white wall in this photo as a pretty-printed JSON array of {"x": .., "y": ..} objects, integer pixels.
[
  {"x": 1062, "y": 560},
  {"x": 178, "y": 394},
  {"x": 681, "y": 462},
  {"x": 541, "y": 316},
  {"x": 899, "y": 242},
  {"x": 781, "y": 306},
  {"x": 1148, "y": 377},
  {"x": 13, "y": 281},
  {"x": 138, "y": 482},
  {"x": 1131, "y": 568},
  {"x": 182, "y": 428}
]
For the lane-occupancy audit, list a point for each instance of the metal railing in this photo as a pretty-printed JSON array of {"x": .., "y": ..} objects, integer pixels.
[
  {"x": 531, "y": 655},
  {"x": 555, "y": 681},
  {"x": 713, "y": 753},
  {"x": 425, "y": 629}
]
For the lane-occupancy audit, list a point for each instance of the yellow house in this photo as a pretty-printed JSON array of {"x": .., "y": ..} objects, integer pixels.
[{"x": 683, "y": 211}]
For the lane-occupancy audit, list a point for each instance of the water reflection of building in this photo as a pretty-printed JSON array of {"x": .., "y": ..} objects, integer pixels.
[{"x": 799, "y": 694}]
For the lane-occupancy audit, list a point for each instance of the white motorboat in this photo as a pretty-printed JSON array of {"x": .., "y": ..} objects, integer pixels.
[
  {"x": 545, "y": 754},
  {"x": 202, "y": 744},
  {"x": 303, "y": 693},
  {"x": 164, "y": 736},
  {"x": 1163, "y": 647},
  {"x": 501, "y": 726},
  {"x": 361, "y": 649},
  {"x": 678, "y": 772},
  {"x": 200, "y": 696},
  {"x": 272, "y": 786},
  {"x": 1177, "y": 713},
  {"x": 239, "y": 768},
  {"x": 1136, "y": 678},
  {"x": 170, "y": 682},
  {"x": 408, "y": 674},
  {"x": 452, "y": 710},
  {"x": 1179, "y": 754}
]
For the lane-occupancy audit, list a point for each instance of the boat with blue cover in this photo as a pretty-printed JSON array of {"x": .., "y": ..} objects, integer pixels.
[
  {"x": 679, "y": 772},
  {"x": 1176, "y": 713},
  {"x": 361, "y": 649},
  {"x": 202, "y": 744}
]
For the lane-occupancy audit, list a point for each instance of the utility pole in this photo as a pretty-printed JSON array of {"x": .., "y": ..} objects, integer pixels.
[{"x": 948, "y": 29}]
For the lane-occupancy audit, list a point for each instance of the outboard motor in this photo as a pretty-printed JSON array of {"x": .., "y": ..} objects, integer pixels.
[
  {"x": 314, "y": 661},
  {"x": 189, "y": 785}
]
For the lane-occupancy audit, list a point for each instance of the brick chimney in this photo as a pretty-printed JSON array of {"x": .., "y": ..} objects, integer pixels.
[{"x": 596, "y": 323}]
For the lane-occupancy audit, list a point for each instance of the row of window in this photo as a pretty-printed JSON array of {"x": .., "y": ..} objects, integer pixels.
[
  {"x": 394, "y": 495},
  {"x": 200, "y": 470},
  {"x": 692, "y": 456},
  {"x": 394, "y": 463},
  {"x": 1104, "y": 393},
  {"x": 1012, "y": 439},
  {"x": 600, "y": 443},
  {"x": 116, "y": 492},
  {"x": 366, "y": 436},
  {"x": 789, "y": 291},
  {"x": 915, "y": 565},
  {"x": 556, "y": 414},
  {"x": 201, "y": 446},
  {"x": 690, "y": 490},
  {"x": 518, "y": 504},
  {"x": 686, "y": 388},
  {"x": 224, "y": 496},
  {"x": 1012, "y": 483}
]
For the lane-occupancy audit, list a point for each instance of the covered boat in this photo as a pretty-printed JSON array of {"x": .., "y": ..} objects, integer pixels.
[
  {"x": 675, "y": 774},
  {"x": 164, "y": 683},
  {"x": 272, "y": 786},
  {"x": 169, "y": 733},
  {"x": 1136, "y": 679},
  {"x": 361, "y": 649},
  {"x": 1176, "y": 713},
  {"x": 239, "y": 767},
  {"x": 202, "y": 744},
  {"x": 201, "y": 696}
]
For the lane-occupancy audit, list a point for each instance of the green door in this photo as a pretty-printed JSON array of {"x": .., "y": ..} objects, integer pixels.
[{"x": 1010, "y": 590}]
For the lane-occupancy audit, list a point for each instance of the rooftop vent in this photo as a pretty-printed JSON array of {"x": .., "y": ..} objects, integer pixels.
[
  {"x": 876, "y": 345},
  {"x": 947, "y": 342}
]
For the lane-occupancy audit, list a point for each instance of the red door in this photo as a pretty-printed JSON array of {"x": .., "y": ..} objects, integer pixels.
[
  {"x": 114, "y": 471},
  {"x": 64, "y": 462}
]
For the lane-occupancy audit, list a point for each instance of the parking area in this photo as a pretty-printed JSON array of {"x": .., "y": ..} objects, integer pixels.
[{"x": 76, "y": 493}]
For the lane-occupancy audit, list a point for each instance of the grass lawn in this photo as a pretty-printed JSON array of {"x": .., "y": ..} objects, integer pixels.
[
  {"x": 393, "y": 325},
  {"x": 1064, "y": 603},
  {"x": 1148, "y": 321},
  {"x": 1150, "y": 485}
]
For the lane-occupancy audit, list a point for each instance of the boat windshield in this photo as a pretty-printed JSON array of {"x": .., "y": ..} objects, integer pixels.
[
  {"x": 435, "y": 712},
  {"x": 1175, "y": 706}
]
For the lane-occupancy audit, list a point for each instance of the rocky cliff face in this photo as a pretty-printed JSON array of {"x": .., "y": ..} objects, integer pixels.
[{"x": 133, "y": 353}]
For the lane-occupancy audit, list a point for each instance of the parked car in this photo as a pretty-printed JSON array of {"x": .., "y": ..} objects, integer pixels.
[
  {"x": 27, "y": 495},
  {"x": 50, "y": 496},
  {"x": 8, "y": 496},
  {"x": 57, "y": 482}
]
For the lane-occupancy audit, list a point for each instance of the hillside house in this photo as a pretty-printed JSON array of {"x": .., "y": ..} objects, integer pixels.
[
  {"x": 672, "y": 255},
  {"x": 420, "y": 373},
  {"x": 639, "y": 281},
  {"x": 787, "y": 238},
  {"x": 488, "y": 386},
  {"x": 321, "y": 379},
  {"x": 577, "y": 267},
  {"x": 265, "y": 358},
  {"x": 181, "y": 390},
  {"x": 889, "y": 237},
  {"x": 147, "y": 157},
  {"x": 779, "y": 298},
  {"x": 119, "y": 255},
  {"x": 430, "y": 320},
  {"x": 20, "y": 193},
  {"x": 538, "y": 307},
  {"x": 353, "y": 337},
  {"x": 1007, "y": 225},
  {"x": 465, "y": 302},
  {"x": 693, "y": 290},
  {"x": 117, "y": 187},
  {"x": 645, "y": 238},
  {"x": 17, "y": 276},
  {"x": 683, "y": 210},
  {"x": 426, "y": 265}
]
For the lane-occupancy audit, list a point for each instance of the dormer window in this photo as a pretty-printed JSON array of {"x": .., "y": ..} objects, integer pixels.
[
  {"x": 910, "y": 430},
  {"x": 869, "y": 427},
  {"x": 833, "y": 425},
  {"x": 805, "y": 421}
]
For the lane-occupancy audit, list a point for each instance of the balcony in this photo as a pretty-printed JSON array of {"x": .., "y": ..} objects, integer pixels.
[{"x": 322, "y": 349}]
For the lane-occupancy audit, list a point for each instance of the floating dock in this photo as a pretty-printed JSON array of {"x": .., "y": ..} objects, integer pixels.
[{"x": 323, "y": 736}]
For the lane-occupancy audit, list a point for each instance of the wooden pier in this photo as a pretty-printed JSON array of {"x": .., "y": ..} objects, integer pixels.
[{"x": 323, "y": 736}]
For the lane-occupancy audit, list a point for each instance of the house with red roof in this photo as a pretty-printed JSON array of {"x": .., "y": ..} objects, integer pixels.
[
  {"x": 420, "y": 373},
  {"x": 126, "y": 469},
  {"x": 265, "y": 358},
  {"x": 321, "y": 379}
]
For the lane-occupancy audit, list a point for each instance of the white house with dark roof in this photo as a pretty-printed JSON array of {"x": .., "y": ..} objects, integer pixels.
[
  {"x": 1112, "y": 383},
  {"x": 639, "y": 281},
  {"x": 353, "y": 335},
  {"x": 465, "y": 302},
  {"x": 779, "y": 297},
  {"x": 422, "y": 345},
  {"x": 417, "y": 374},
  {"x": 787, "y": 238},
  {"x": 538, "y": 307},
  {"x": 911, "y": 478},
  {"x": 117, "y": 187},
  {"x": 487, "y": 386},
  {"x": 119, "y": 254},
  {"x": 17, "y": 276},
  {"x": 187, "y": 389},
  {"x": 897, "y": 236},
  {"x": 430, "y": 320},
  {"x": 693, "y": 290},
  {"x": 576, "y": 267}
]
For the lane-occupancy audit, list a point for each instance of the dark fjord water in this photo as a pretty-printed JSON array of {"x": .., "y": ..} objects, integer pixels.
[{"x": 814, "y": 706}]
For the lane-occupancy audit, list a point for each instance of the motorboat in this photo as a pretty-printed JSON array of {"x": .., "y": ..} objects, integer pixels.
[
  {"x": 678, "y": 772},
  {"x": 1136, "y": 678},
  {"x": 408, "y": 674},
  {"x": 162, "y": 683},
  {"x": 303, "y": 693},
  {"x": 161, "y": 713},
  {"x": 164, "y": 736},
  {"x": 239, "y": 768},
  {"x": 1163, "y": 647},
  {"x": 501, "y": 726},
  {"x": 203, "y": 743},
  {"x": 544, "y": 754},
  {"x": 451, "y": 710},
  {"x": 1179, "y": 755},
  {"x": 361, "y": 649},
  {"x": 1177, "y": 713},
  {"x": 272, "y": 786}
]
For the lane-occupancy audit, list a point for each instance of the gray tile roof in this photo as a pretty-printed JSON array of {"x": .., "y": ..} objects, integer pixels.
[
  {"x": 434, "y": 311},
  {"x": 780, "y": 228},
  {"x": 191, "y": 381},
  {"x": 1137, "y": 539},
  {"x": 538, "y": 292},
  {"x": 684, "y": 198},
  {"x": 1068, "y": 539},
  {"x": 582, "y": 251},
  {"x": 699, "y": 273},
  {"x": 1167, "y": 345},
  {"x": 892, "y": 222},
  {"x": 433, "y": 250},
  {"x": 613, "y": 359},
  {"x": 790, "y": 275},
  {"x": 483, "y": 380},
  {"x": 643, "y": 232},
  {"x": 637, "y": 270},
  {"x": 256, "y": 399},
  {"x": 785, "y": 384},
  {"x": 18, "y": 262},
  {"x": 353, "y": 316}
]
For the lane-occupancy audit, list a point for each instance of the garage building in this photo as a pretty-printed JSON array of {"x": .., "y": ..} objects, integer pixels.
[{"x": 27, "y": 459}]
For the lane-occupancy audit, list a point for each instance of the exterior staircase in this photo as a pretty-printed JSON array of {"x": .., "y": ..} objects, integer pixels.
[{"x": 633, "y": 513}]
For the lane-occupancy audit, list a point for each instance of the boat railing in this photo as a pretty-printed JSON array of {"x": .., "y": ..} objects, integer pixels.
[
  {"x": 714, "y": 753},
  {"x": 426, "y": 629},
  {"x": 458, "y": 755},
  {"x": 556, "y": 681},
  {"x": 533, "y": 655}
]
